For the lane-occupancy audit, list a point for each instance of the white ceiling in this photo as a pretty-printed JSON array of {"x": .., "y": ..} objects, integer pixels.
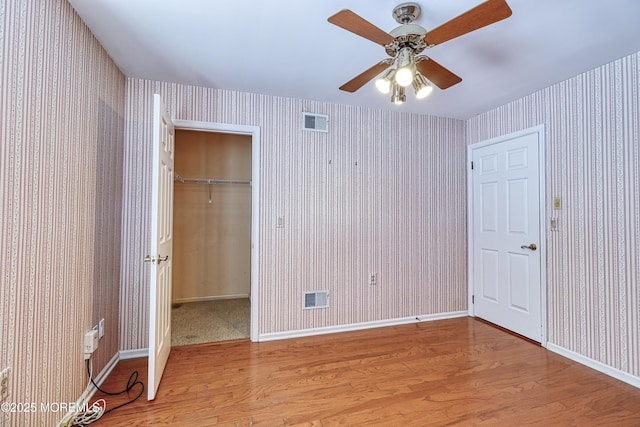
[{"x": 287, "y": 47}]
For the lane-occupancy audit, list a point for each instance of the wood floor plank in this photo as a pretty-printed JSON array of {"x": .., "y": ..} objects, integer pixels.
[{"x": 449, "y": 372}]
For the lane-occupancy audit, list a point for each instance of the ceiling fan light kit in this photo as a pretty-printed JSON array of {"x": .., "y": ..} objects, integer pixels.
[
  {"x": 405, "y": 67},
  {"x": 404, "y": 44},
  {"x": 384, "y": 82},
  {"x": 399, "y": 95},
  {"x": 421, "y": 86}
]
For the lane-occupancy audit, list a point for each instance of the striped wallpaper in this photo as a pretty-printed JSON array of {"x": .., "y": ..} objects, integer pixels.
[
  {"x": 62, "y": 132},
  {"x": 592, "y": 125},
  {"x": 382, "y": 193}
]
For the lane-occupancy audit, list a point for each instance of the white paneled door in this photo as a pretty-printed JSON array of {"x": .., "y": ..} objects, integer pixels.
[
  {"x": 506, "y": 234},
  {"x": 160, "y": 253}
]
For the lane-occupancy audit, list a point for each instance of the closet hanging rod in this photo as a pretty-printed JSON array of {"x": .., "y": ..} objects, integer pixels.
[{"x": 210, "y": 181}]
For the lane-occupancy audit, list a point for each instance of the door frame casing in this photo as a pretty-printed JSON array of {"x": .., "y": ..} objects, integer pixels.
[
  {"x": 254, "y": 132},
  {"x": 540, "y": 131}
]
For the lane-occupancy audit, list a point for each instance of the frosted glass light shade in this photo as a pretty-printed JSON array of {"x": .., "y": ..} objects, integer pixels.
[
  {"x": 424, "y": 92},
  {"x": 421, "y": 86},
  {"x": 404, "y": 76},
  {"x": 406, "y": 67},
  {"x": 383, "y": 83}
]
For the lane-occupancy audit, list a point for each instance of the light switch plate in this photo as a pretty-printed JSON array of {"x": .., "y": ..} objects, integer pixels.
[{"x": 557, "y": 203}]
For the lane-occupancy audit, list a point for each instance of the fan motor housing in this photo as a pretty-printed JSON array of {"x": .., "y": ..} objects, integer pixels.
[
  {"x": 407, "y": 34},
  {"x": 411, "y": 35}
]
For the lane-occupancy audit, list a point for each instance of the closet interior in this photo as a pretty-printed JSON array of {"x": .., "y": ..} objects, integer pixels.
[{"x": 212, "y": 237}]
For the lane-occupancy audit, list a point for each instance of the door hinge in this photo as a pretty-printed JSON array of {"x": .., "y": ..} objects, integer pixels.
[
  {"x": 472, "y": 165},
  {"x": 473, "y": 299}
]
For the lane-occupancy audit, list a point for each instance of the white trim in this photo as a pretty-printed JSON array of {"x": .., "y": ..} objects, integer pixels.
[
  {"x": 133, "y": 354},
  {"x": 540, "y": 130},
  {"x": 254, "y": 132},
  {"x": 90, "y": 390},
  {"x": 360, "y": 326},
  {"x": 110, "y": 366},
  {"x": 594, "y": 364},
  {"x": 470, "y": 287},
  {"x": 542, "y": 185},
  {"x": 209, "y": 298}
]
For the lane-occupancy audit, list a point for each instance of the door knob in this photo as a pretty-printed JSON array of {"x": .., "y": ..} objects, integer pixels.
[{"x": 532, "y": 246}]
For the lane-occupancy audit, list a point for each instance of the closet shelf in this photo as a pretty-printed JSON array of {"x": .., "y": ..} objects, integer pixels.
[{"x": 208, "y": 181}]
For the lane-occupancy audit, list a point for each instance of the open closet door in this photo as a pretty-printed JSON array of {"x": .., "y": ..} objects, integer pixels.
[{"x": 160, "y": 255}]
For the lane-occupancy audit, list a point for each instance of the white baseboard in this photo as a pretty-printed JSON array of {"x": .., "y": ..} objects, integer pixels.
[
  {"x": 99, "y": 379},
  {"x": 359, "y": 326},
  {"x": 209, "y": 298},
  {"x": 594, "y": 364},
  {"x": 106, "y": 371},
  {"x": 88, "y": 392},
  {"x": 134, "y": 354}
]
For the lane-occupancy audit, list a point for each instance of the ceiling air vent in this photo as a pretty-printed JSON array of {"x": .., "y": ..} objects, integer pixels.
[
  {"x": 316, "y": 299},
  {"x": 315, "y": 122}
]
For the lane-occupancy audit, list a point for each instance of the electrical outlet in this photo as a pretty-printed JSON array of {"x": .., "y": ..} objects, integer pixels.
[
  {"x": 101, "y": 329},
  {"x": 4, "y": 383},
  {"x": 90, "y": 343}
]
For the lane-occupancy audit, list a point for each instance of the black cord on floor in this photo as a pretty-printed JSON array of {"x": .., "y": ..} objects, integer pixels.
[{"x": 132, "y": 382}]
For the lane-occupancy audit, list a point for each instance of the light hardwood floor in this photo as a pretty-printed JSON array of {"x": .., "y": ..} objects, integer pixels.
[{"x": 450, "y": 372}]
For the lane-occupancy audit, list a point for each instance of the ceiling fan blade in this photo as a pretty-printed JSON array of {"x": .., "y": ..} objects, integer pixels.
[
  {"x": 437, "y": 74},
  {"x": 480, "y": 16},
  {"x": 361, "y": 79},
  {"x": 349, "y": 21}
]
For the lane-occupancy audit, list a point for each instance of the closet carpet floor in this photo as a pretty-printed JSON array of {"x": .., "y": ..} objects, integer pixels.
[{"x": 209, "y": 321}]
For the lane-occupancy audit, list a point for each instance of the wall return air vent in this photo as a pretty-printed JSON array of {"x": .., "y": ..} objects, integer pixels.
[
  {"x": 315, "y": 122},
  {"x": 316, "y": 299}
]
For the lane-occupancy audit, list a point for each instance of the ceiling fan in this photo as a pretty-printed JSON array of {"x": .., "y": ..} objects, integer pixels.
[{"x": 405, "y": 43}]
